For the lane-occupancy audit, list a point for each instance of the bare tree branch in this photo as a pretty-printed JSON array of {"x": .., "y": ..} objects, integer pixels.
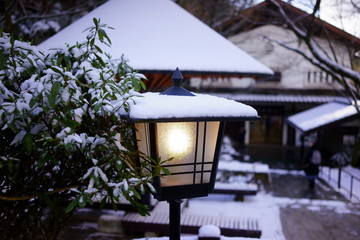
[
  {"x": 356, "y": 4},
  {"x": 46, "y": 16},
  {"x": 347, "y": 77},
  {"x": 348, "y": 85}
]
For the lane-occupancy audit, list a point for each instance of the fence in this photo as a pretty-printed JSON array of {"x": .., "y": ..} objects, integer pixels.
[{"x": 343, "y": 180}]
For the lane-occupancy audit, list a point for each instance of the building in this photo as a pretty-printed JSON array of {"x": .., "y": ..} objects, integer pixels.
[{"x": 296, "y": 86}]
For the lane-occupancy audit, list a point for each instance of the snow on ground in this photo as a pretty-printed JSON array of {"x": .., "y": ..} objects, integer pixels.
[{"x": 264, "y": 206}]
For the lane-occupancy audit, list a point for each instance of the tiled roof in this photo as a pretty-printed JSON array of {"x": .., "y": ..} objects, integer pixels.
[{"x": 279, "y": 98}]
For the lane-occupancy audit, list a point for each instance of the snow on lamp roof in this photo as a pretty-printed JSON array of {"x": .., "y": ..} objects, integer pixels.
[
  {"x": 159, "y": 35},
  {"x": 153, "y": 106},
  {"x": 177, "y": 103}
]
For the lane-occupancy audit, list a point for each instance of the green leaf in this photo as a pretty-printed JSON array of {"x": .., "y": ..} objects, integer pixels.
[
  {"x": 51, "y": 100},
  {"x": 98, "y": 49},
  {"x": 59, "y": 60},
  {"x": 101, "y": 33},
  {"x": 32, "y": 102},
  {"x": 101, "y": 61},
  {"x": 68, "y": 147},
  {"x": 3, "y": 59},
  {"x": 42, "y": 162},
  {"x": 45, "y": 159},
  {"x": 67, "y": 60},
  {"x": 166, "y": 171},
  {"x": 69, "y": 122},
  {"x": 55, "y": 89},
  {"x": 72, "y": 205},
  {"x": 53, "y": 160},
  {"x": 136, "y": 194},
  {"x": 97, "y": 107},
  {"x": 136, "y": 85},
  {"x": 96, "y": 22},
  {"x": 143, "y": 85},
  {"x": 57, "y": 70},
  {"x": 28, "y": 143},
  {"x": 103, "y": 202}
]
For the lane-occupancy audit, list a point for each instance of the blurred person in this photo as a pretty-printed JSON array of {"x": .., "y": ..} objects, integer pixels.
[{"x": 312, "y": 162}]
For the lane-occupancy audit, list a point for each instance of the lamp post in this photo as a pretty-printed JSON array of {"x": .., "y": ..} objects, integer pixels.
[{"x": 188, "y": 129}]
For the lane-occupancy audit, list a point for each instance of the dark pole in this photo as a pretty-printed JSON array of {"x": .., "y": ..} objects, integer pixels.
[
  {"x": 302, "y": 149},
  {"x": 174, "y": 219}
]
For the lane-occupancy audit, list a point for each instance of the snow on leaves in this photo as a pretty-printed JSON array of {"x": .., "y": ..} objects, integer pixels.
[{"x": 64, "y": 108}]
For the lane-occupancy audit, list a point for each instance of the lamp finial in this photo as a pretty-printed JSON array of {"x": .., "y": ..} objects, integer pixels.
[
  {"x": 177, "y": 77},
  {"x": 177, "y": 90}
]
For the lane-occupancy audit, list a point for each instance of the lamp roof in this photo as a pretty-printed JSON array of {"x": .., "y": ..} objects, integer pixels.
[{"x": 201, "y": 107}]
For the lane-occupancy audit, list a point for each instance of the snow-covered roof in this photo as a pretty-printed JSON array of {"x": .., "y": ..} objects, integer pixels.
[
  {"x": 159, "y": 35},
  {"x": 321, "y": 116},
  {"x": 156, "y": 106},
  {"x": 279, "y": 98}
]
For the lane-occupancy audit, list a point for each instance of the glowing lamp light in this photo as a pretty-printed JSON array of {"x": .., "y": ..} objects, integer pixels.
[{"x": 177, "y": 140}]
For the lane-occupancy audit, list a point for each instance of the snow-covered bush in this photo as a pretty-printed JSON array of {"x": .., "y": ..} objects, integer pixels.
[{"x": 62, "y": 138}]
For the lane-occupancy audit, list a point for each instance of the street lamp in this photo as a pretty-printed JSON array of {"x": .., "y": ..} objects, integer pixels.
[{"x": 188, "y": 129}]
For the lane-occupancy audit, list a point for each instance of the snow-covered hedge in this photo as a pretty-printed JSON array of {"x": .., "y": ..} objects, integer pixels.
[{"x": 62, "y": 138}]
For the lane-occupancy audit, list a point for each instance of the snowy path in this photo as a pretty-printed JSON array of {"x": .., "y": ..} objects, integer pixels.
[{"x": 267, "y": 209}]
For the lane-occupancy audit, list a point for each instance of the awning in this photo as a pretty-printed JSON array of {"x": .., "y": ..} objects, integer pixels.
[{"x": 323, "y": 116}]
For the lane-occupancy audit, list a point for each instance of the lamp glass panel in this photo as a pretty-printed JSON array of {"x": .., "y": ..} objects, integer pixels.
[
  {"x": 212, "y": 131},
  {"x": 143, "y": 137},
  {"x": 143, "y": 141},
  {"x": 176, "y": 140},
  {"x": 200, "y": 142},
  {"x": 205, "y": 176},
  {"x": 192, "y": 147},
  {"x": 177, "y": 180}
]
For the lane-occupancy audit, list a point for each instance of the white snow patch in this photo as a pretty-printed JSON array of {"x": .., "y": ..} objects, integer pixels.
[
  {"x": 261, "y": 207},
  {"x": 237, "y": 166},
  {"x": 155, "y": 106},
  {"x": 209, "y": 231}
]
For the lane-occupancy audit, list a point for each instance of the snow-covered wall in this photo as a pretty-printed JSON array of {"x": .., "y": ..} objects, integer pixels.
[{"x": 295, "y": 70}]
